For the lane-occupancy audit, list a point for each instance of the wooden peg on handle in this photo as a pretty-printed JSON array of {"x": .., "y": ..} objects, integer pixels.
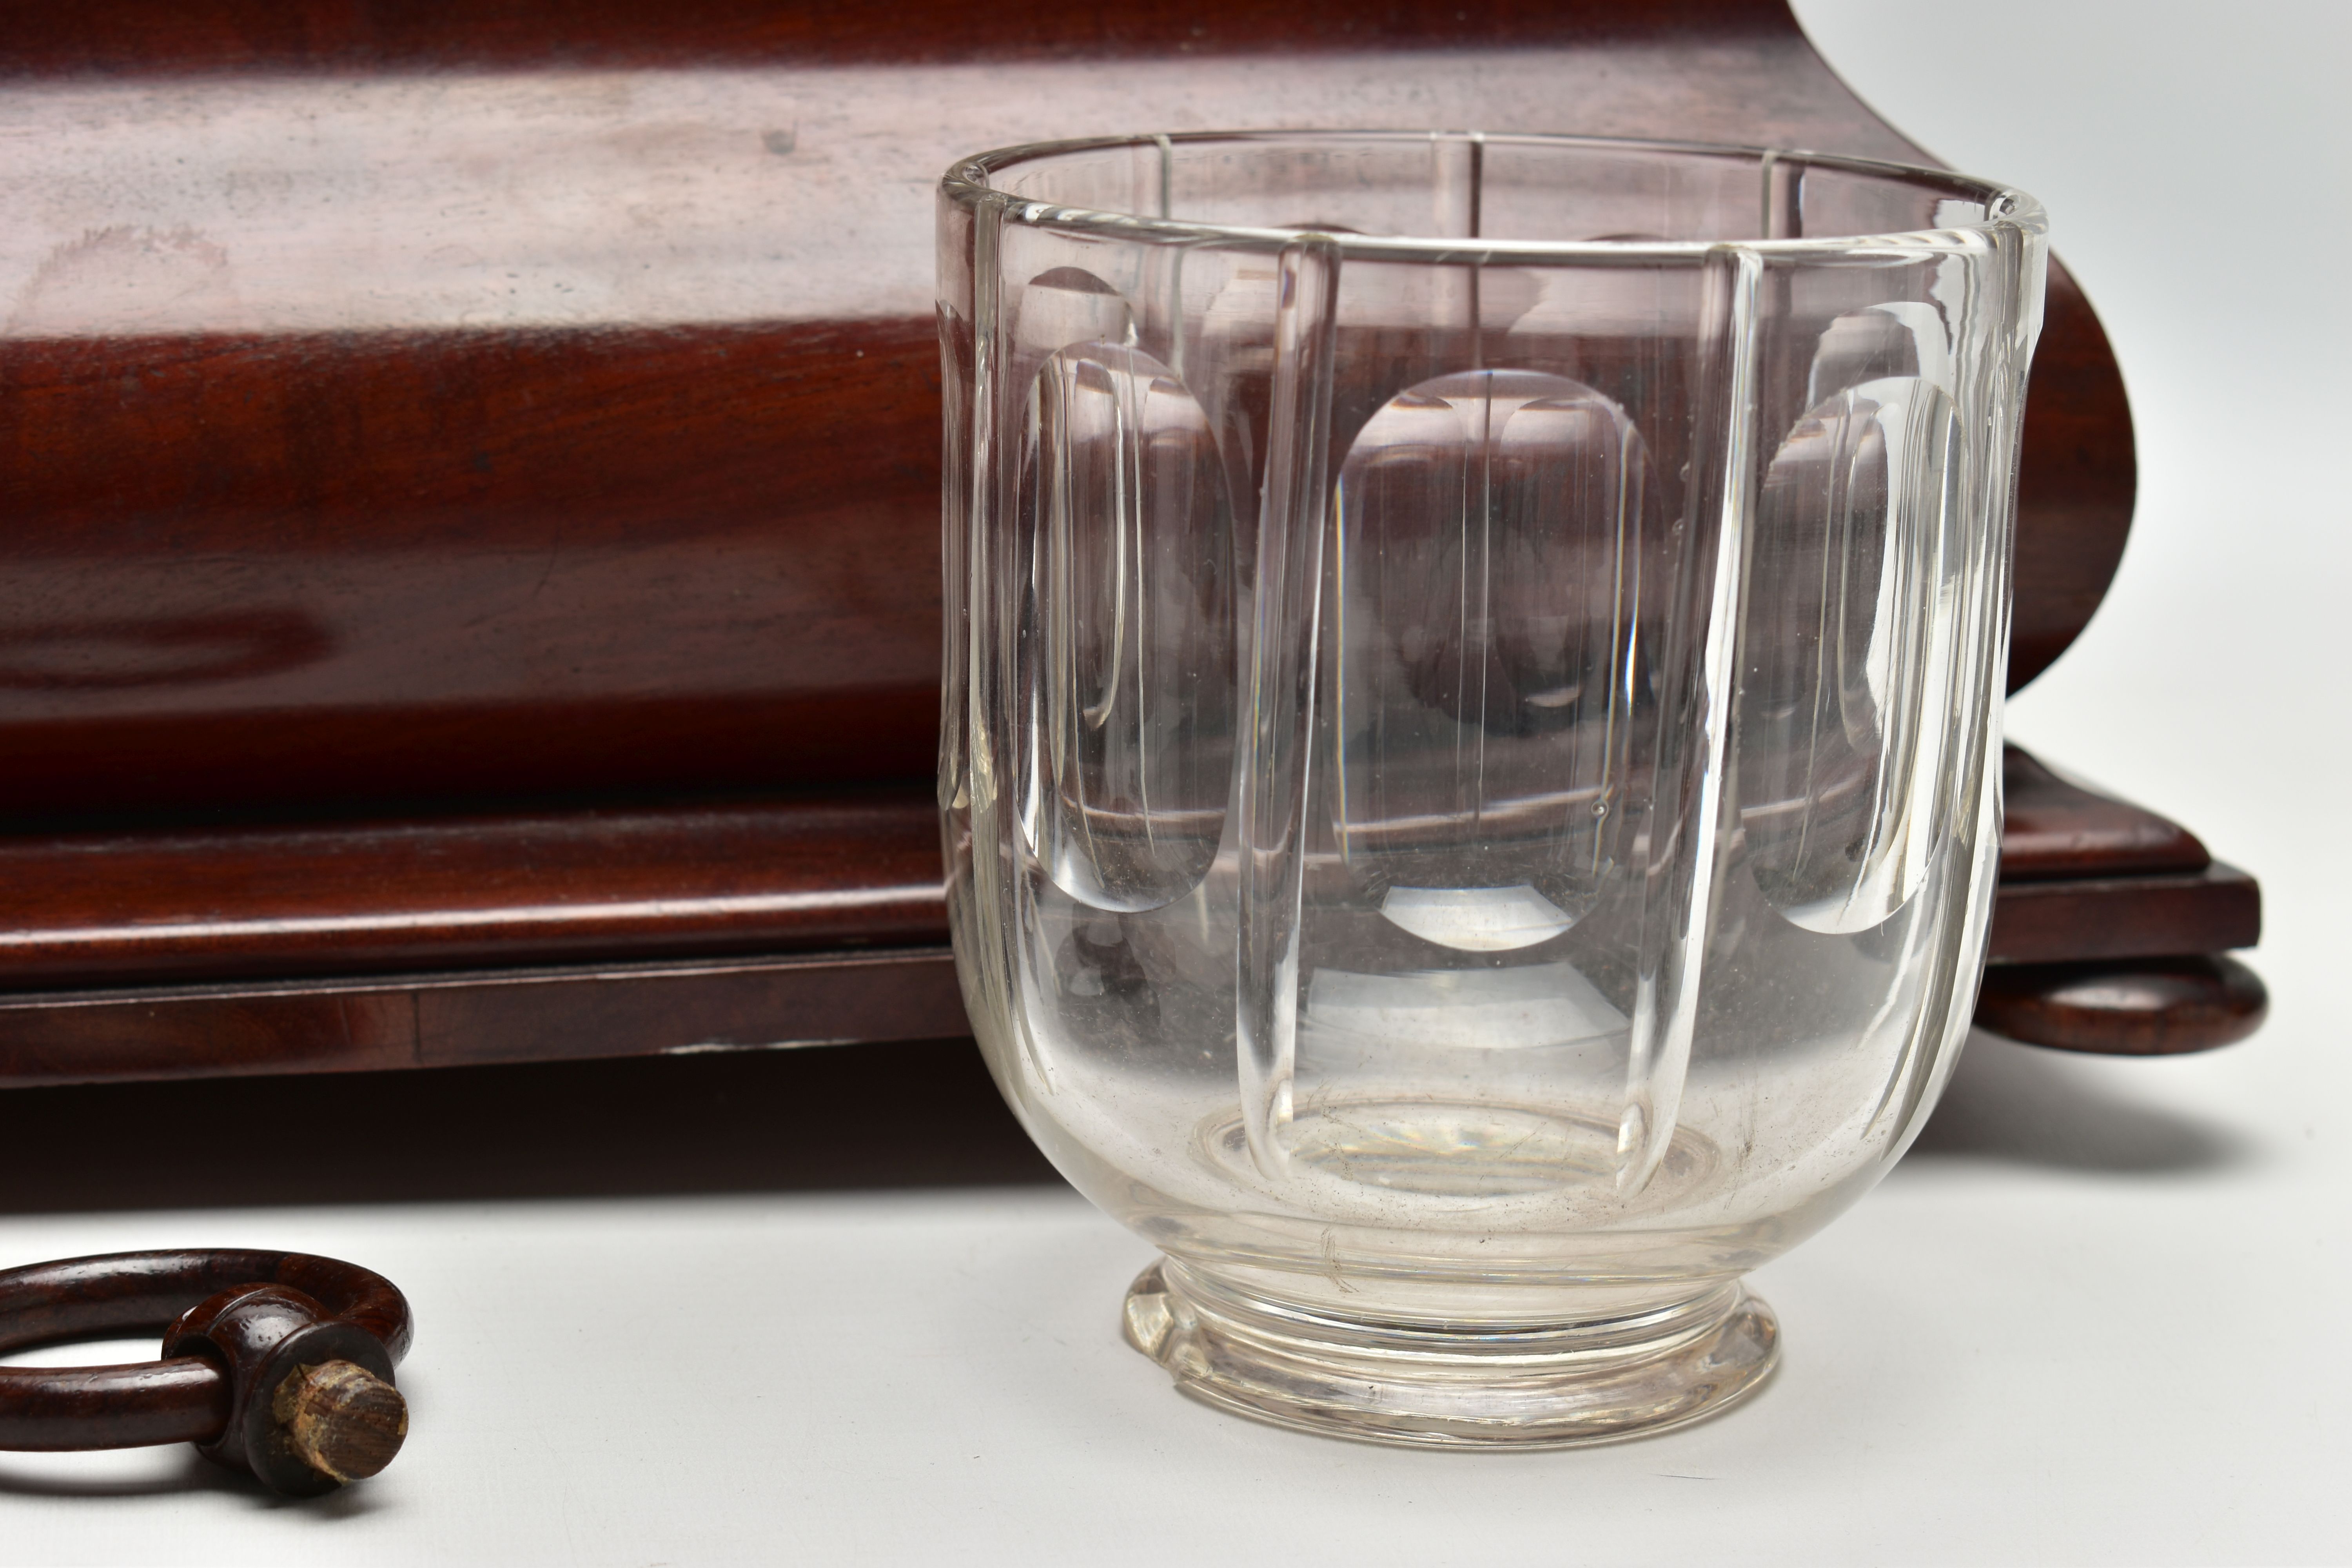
[
  {"x": 282, "y": 1367},
  {"x": 340, "y": 1418}
]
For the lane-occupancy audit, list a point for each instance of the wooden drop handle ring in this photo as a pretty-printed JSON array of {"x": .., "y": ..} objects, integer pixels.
[{"x": 277, "y": 1363}]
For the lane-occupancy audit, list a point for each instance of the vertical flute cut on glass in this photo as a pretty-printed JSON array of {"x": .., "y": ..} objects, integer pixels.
[{"x": 1469, "y": 768}]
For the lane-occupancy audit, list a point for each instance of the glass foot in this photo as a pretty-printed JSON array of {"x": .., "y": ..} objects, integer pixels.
[{"x": 1439, "y": 1388}]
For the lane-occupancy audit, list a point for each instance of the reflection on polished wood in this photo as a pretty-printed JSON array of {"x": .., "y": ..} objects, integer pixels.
[
  {"x": 366, "y": 898},
  {"x": 509, "y": 1015},
  {"x": 2150, "y": 1007},
  {"x": 473, "y": 474},
  {"x": 577, "y": 401},
  {"x": 799, "y": 875},
  {"x": 348, "y": 947}
]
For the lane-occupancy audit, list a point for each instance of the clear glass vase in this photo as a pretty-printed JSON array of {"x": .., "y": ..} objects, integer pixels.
[{"x": 1469, "y": 765}]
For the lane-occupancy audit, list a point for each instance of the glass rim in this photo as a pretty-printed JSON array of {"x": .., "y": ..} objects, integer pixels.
[{"x": 2006, "y": 207}]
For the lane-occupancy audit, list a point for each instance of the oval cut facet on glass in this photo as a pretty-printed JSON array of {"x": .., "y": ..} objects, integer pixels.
[
  {"x": 1482, "y": 607},
  {"x": 1127, "y": 651},
  {"x": 1850, "y": 655}
]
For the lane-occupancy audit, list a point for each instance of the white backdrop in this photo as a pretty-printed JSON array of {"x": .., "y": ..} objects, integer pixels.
[
  {"x": 2097, "y": 1316},
  {"x": 2197, "y": 162}
]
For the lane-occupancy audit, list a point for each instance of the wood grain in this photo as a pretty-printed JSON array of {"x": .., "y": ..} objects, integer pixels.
[
  {"x": 496, "y": 1015},
  {"x": 543, "y": 510},
  {"x": 273, "y": 903},
  {"x": 2157, "y": 1006},
  {"x": 2212, "y": 910},
  {"x": 472, "y": 597},
  {"x": 2083, "y": 874},
  {"x": 189, "y": 1395},
  {"x": 716, "y": 926},
  {"x": 2053, "y": 829}
]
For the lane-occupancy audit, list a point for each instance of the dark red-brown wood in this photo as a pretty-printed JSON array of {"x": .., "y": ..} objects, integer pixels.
[
  {"x": 2108, "y": 926},
  {"x": 2146, "y": 1007},
  {"x": 314, "y": 550},
  {"x": 156, "y": 36},
  {"x": 271, "y": 1338},
  {"x": 2212, "y": 910},
  {"x": 2084, "y": 876},
  {"x": 309, "y": 930},
  {"x": 494, "y": 1015},
  {"x": 191, "y": 1395},
  {"x": 2054, "y": 830},
  {"x": 432, "y": 569},
  {"x": 323, "y": 899},
  {"x": 433, "y": 660},
  {"x": 802, "y": 874}
]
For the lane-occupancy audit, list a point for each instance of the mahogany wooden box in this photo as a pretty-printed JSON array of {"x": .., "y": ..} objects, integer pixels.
[{"x": 471, "y": 588}]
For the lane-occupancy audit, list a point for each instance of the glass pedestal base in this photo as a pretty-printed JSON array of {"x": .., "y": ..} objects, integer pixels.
[{"x": 1437, "y": 1388}]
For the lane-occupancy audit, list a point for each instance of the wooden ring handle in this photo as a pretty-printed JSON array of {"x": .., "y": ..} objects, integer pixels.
[{"x": 277, "y": 1363}]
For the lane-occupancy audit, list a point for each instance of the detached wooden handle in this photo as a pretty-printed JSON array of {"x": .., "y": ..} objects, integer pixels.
[{"x": 276, "y": 1363}]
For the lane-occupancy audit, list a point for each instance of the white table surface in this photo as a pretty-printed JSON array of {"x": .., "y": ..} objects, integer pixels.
[{"x": 2096, "y": 1317}]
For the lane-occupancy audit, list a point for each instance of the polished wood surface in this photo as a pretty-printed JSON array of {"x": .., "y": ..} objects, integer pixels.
[
  {"x": 271, "y": 1336},
  {"x": 276, "y": 903},
  {"x": 431, "y": 570},
  {"x": 472, "y": 591},
  {"x": 240, "y": 1325},
  {"x": 2211, "y": 910},
  {"x": 2054, "y": 829},
  {"x": 2077, "y": 480},
  {"x": 348, "y": 916},
  {"x": 2084, "y": 876},
  {"x": 157, "y": 35},
  {"x": 509, "y": 1014},
  {"x": 708, "y": 1122},
  {"x": 2150, "y": 1007},
  {"x": 564, "y": 422}
]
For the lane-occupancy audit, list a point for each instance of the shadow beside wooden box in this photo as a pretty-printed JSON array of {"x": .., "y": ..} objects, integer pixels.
[{"x": 472, "y": 584}]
